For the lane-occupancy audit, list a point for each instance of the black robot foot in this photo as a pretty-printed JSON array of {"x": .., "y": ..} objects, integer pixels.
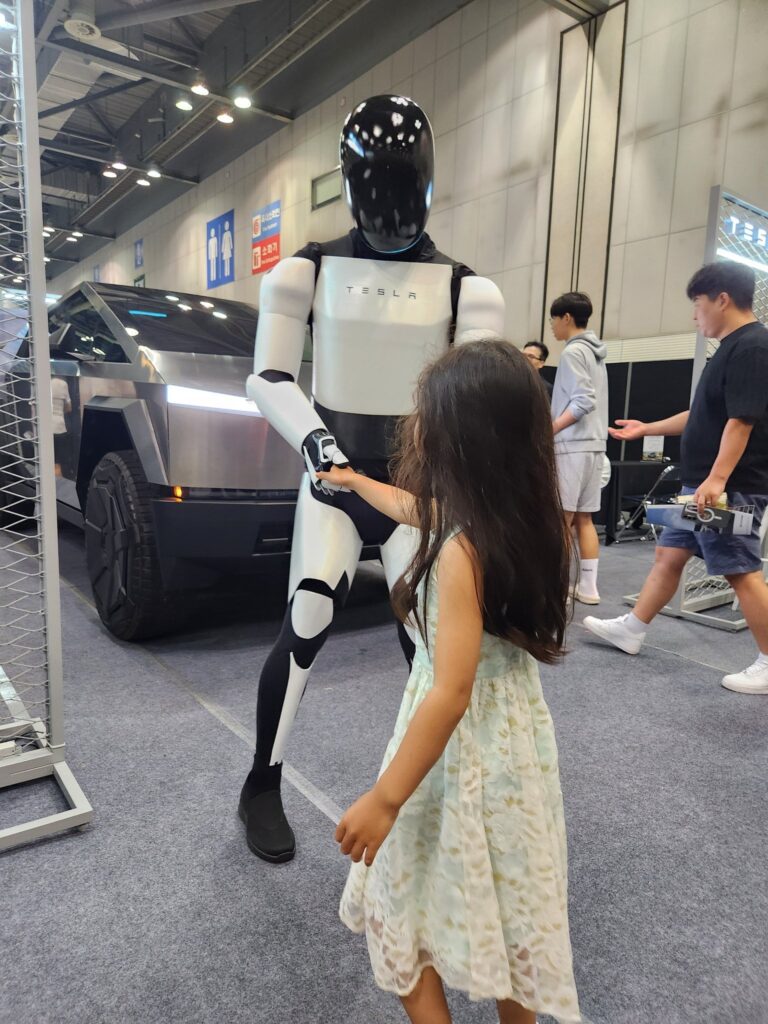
[{"x": 267, "y": 831}]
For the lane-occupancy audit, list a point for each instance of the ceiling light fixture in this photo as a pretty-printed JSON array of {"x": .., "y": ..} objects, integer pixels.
[
  {"x": 225, "y": 117},
  {"x": 206, "y": 305},
  {"x": 46, "y": 259},
  {"x": 144, "y": 182},
  {"x": 109, "y": 173},
  {"x": 243, "y": 101},
  {"x": 18, "y": 259},
  {"x": 172, "y": 298},
  {"x": 71, "y": 238},
  {"x": 185, "y": 307},
  {"x": 119, "y": 164},
  {"x": 219, "y": 314},
  {"x": 183, "y": 104},
  {"x": 18, "y": 280},
  {"x": 200, "y": 88},
  {"x": 78, "y": 234}
]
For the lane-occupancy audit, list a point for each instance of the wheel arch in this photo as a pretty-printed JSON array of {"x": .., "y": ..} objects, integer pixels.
[{"x": 113, "y": 425}]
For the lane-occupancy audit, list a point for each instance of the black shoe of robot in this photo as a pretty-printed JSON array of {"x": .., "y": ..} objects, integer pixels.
[{"x": 267, "y": 831}]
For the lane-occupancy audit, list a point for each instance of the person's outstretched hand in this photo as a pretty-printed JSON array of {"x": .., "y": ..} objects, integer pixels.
[
  {"x": 341, "y": 476},
  {"x": 631, "y": 430}
]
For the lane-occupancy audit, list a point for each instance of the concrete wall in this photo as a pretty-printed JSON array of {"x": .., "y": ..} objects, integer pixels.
[{"x": 694, "y": 114}]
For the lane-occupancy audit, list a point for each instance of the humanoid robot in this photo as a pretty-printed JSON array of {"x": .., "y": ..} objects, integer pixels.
[{"x": 383, "y": 303}]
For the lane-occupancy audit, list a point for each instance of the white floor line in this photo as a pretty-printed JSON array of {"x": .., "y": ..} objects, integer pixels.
[{"x": 292, "y": 775}]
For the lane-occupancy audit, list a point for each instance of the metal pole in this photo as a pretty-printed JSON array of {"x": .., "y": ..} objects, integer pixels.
[{"x": 32, "y": 200}]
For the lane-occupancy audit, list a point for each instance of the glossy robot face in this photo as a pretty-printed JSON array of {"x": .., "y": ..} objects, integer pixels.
[{"x": 388, "y": 164}]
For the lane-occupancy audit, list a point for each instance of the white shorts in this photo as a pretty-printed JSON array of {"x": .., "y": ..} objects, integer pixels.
[{"x": 579, "y": 476}]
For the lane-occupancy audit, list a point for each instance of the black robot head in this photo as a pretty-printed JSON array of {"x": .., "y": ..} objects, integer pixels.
[{"x": 388, "y": 165}]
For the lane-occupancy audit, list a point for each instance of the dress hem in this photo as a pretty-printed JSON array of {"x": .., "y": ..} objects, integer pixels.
[{"x": 473, "y": 997}]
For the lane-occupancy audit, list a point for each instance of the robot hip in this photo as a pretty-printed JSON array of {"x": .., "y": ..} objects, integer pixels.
[{"x": 372, "y": 526}]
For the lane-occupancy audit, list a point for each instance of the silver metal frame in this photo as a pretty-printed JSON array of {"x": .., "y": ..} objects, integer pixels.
[
  {"x": 697, "y": 592},
  {"x": 46, "y": 756}
]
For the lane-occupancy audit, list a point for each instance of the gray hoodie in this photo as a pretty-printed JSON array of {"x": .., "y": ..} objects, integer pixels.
[{"x": 581, "y": 386}]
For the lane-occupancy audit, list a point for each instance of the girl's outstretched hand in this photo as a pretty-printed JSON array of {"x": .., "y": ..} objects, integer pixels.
[
  {"x": 365, "y": 826},
  {"x": 341, "y": 476}
]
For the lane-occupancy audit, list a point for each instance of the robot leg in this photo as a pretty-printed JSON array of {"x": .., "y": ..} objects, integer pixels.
[
  {"x": 396, "y": 556},
  {"x": 326, "y": 550}
]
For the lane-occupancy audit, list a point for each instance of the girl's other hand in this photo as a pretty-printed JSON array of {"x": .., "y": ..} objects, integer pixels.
[
  {"x": 341, "y": 476},
  {"x": 365, "y": 826}
]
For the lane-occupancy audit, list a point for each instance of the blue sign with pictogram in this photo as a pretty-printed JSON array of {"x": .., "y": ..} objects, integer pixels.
[{"x": 220, "y": 250}]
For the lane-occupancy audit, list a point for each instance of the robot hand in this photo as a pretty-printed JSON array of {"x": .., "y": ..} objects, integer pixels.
[{"x": 320, "y": 453}]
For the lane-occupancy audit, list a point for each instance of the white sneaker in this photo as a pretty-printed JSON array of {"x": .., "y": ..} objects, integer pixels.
[
  {"x": 586, "y": 598},
  {"x": 615, "y": 631},
  {"x": 752, "y": 680}
]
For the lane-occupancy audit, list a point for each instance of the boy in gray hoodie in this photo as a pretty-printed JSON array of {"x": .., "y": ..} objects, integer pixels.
[{"x": 580, "y": 423}]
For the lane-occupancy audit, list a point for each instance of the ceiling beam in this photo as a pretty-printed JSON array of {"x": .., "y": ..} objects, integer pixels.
[
  {"x": 107, "y": 59},
  {"x": 98, "y": 116},
  {"x": 99, "y": 158},
  {"x": 164, "y": 12},
  {"x": 581, "y": 10},
  {"x": 102, "y": 94}
]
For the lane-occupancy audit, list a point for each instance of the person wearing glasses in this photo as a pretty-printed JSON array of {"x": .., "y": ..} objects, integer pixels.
[
  {"x": 537, "y": 353},
  {"x": 580, "y": 423}
]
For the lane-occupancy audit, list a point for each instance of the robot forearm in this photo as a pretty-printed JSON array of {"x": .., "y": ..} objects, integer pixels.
[{"x": 286, "y": 408}]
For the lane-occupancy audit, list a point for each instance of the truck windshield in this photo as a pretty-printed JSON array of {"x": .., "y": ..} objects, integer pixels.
[{"x": 177, "y": 322}]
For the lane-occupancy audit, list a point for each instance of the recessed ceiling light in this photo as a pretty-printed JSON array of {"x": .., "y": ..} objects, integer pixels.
[
  {"x": 183, "y": 104},
  {"x": 143, "y": 181},
  {"x": 200, "y": 88},
  {"x": 78, "y": 234},
  {"x": 109, "y": 173},
  {"x": 206, "y": 305},
  {"x": 243, "y": 102},
  {"x": 219, "y": 314},
  {"x": 225, "y": 117}
]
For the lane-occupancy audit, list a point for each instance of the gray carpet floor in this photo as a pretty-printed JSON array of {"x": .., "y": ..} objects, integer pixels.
[{"x": 158, "y": 913}]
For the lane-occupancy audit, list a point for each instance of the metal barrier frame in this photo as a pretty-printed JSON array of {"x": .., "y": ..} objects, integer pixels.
[{"x": 46, "y": 758}]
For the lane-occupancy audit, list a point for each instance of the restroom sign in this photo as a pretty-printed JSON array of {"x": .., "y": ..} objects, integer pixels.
[
  {"x": 265, "y": 238},
  {"x": 220, "y": 250}
]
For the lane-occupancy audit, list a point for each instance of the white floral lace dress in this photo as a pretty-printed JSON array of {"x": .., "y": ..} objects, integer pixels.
[{"x": 472, "y": 879}]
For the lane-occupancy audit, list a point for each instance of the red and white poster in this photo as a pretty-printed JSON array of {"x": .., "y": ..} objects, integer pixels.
[{"x": 265, "y": 238}]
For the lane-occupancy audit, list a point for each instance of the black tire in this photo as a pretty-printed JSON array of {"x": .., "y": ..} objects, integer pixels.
[{"x": 121, "y": 551}]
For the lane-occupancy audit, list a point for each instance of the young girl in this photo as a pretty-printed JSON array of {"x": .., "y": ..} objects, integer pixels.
[{"x": 462, "y": 838}]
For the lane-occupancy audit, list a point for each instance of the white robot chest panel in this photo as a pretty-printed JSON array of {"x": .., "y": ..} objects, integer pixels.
[{"x": 376, "y": 325}]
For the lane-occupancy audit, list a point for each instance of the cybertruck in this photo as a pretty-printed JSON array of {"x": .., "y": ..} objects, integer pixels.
[{"x": 176, "y": 477}]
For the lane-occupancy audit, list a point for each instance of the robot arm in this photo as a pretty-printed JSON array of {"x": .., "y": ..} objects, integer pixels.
[
  {"x": 286, "y": 301},
  {"x": 480, "y": 312}
]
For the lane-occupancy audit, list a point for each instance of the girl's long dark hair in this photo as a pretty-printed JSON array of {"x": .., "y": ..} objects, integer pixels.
[{"x": 478, "y": 456}]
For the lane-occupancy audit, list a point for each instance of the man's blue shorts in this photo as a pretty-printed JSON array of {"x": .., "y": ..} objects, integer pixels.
[{"x": 723, "y": 555}]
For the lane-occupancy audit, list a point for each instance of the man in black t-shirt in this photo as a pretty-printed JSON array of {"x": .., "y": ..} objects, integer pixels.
[{"x": 724, "y": 448}]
